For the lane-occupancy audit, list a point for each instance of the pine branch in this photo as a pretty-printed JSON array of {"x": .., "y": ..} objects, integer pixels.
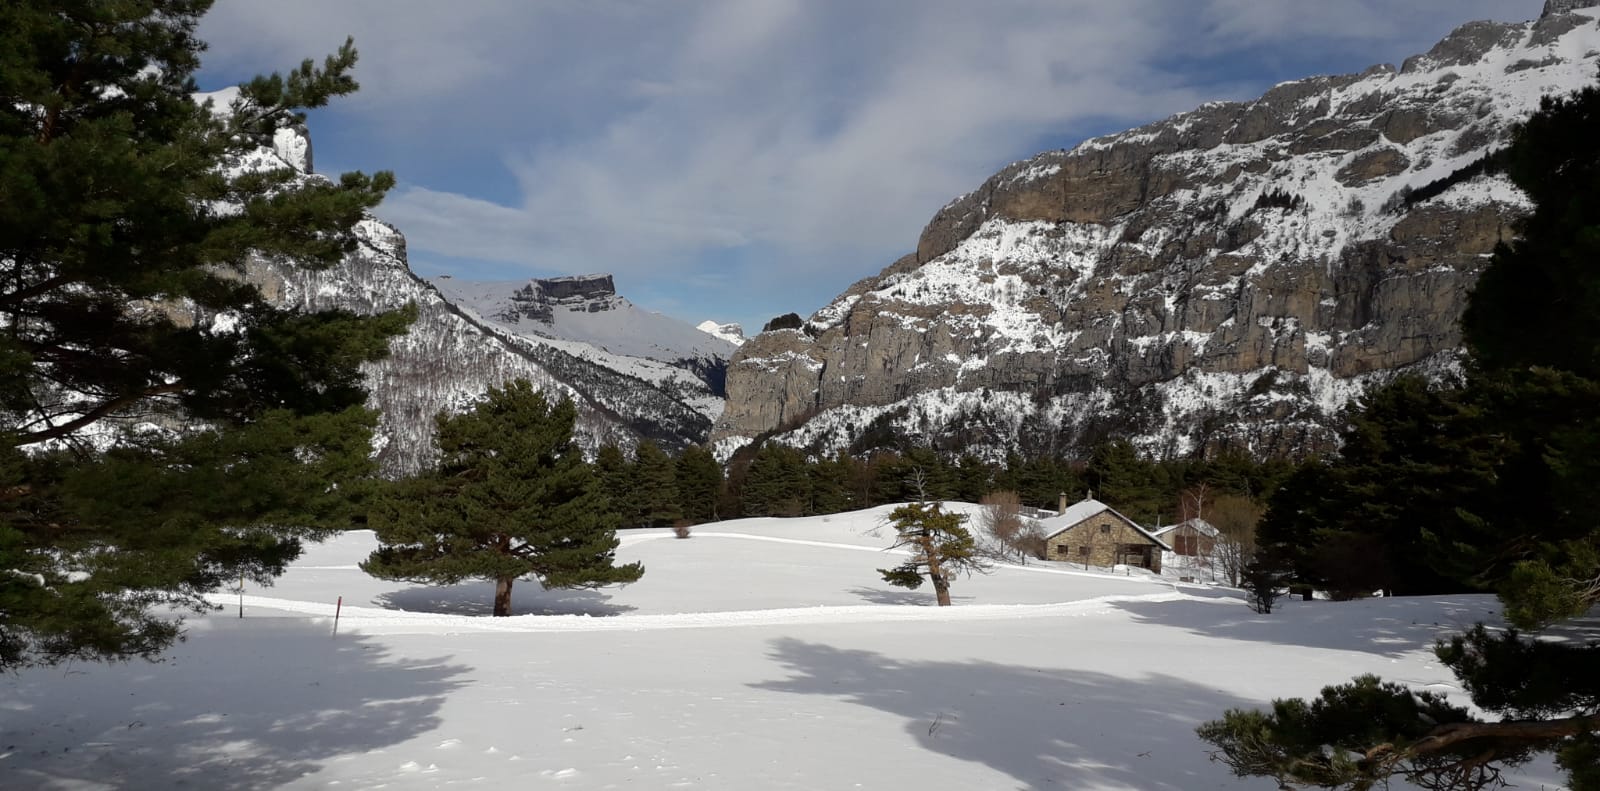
[{"x": 96, "y": 414}]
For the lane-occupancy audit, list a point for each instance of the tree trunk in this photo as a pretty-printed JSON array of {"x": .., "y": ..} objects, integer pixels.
[
  {"x": 502, "y": 596},
  {"x": 941, "y": 586}
]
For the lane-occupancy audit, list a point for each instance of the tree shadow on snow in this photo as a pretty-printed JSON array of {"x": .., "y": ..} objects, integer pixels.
[
  {"x": 1387, "y": 627},
  {"x": 1047, "y": 728},
  {"x": 255, "y": 704},
  {"x": 478, "y": 599},
  {"x": 902, "y": 598}
]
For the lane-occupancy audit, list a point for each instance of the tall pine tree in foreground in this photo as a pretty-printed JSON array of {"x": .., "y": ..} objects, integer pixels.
[
  {"x": 512, "y": 497},
  {"x": 1526, "y": 430},
  {"x": 163, "y": 429}
]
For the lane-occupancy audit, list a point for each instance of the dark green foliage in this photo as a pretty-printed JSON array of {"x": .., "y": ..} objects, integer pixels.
[
  {"x": 656, "y": 496},
  {"x": 788, "y": 321},
  {"x": 1330, "y": 742},
  {"x": 512, "y": 497},
  {"x": 1263, "y": 580},
  {"x": 1417, "y": 461},
  {"x": 830, "y": 483},
  {"x": 699, "y": 480},
  {"x": 1494, "y": 484},
  {"x": 1128, "y": 483},
  {"x": 776, "y": 483},
  {"x": 1492, "y": 162},
  {"x": 1538, "y": 304},
  {"x": 617, "y": 479},
  {"x": 1279, "y": 199},
  {"x": 125, "y": 229},
  {"x": 940, "y": 546}
]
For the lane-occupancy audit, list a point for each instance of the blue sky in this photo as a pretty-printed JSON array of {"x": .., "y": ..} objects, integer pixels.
[{"x": 739, "y": 159}]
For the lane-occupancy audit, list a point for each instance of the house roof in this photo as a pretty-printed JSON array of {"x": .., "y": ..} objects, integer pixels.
[
  {"x": 1201, "y": 525},
  {"x": 1084, "y": 509}
]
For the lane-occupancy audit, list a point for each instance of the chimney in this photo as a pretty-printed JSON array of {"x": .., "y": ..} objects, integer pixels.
[{"x": 1063, "y": 506}]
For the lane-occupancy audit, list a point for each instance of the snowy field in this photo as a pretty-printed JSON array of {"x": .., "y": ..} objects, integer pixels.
[{"x": 758, "y": 654}]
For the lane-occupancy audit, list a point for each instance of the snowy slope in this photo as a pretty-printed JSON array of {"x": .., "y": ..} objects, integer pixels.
[
  {"x": 758, "y": 654},
  {"x": 603, "y": 328},
  {"x": 609, "y": 322}
]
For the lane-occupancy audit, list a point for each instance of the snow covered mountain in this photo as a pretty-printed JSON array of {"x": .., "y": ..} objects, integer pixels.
[
  {"x": 1229, "y": 277},
  {"x": 584, "y": 316},
  {"x": 732, "y": 333},
  {"x": 454, "y": 353}
]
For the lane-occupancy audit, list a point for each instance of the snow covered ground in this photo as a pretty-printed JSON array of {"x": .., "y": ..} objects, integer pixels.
[{"x": 758, "y": 654}]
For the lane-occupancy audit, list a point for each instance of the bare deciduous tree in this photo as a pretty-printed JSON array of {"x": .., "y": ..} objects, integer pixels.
[
  {"x": 1011, "y": 535},
  {"x": 1235, "y": 517}
]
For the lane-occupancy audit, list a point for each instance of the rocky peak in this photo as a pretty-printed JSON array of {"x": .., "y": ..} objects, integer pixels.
[
  {"x": 540, "y": 297},
  {"x": 1555, "y": 7}
]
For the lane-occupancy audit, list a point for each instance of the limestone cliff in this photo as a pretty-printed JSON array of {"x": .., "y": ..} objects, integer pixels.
[{"x": 1227, "y": 277}]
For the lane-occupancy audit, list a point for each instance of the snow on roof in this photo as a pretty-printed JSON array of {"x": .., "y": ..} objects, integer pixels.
[
  {"x": 1197, "y": 523},
  {"x": 1079, "y": 511}
]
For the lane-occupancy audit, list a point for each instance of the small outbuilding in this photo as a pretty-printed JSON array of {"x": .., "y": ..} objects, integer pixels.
[
  {"x": 1095, "y": 534},
  {"x": 1191, "y": 538}
]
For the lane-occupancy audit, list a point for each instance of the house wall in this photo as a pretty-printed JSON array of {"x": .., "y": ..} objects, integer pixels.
[
  {"x": 1102, "y": 534},
  {"x": 1188, "y": 541}
]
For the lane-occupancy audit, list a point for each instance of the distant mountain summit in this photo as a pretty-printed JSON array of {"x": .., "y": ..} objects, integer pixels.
[
  {"x": 732, "y": 333},
  {"x": 633, "y": 374},
  {"x": 1229, "y": 277},
  {"x": 584, "y": 316}
]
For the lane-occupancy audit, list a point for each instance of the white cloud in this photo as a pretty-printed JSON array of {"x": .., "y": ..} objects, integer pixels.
[{"x": 648, "y": 138}]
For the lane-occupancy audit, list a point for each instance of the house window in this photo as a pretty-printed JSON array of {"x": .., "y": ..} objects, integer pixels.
[
  {"x": 1105, "y": 528},
  {"x": 1083, "y": 551},
  {"x": 1061, "y": 549}
]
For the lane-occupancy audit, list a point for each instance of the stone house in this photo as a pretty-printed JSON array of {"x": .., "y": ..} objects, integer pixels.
[
  {"x": 1093, "y": 533},
  {"x": 1191, "y": 538}
]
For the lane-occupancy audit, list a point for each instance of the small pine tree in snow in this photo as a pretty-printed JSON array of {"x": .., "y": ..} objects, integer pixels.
[{"x": 940, "y": 548}]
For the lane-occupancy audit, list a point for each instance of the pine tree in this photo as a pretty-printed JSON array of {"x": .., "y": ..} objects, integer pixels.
[
  {"x": 512, "y": 497},
  {"x": 1525, "y": 471},
  {"x": 1126, "y": 482},
  {"x": 776, "y": 483},
  {"x": 126, "y": 224},
  {"x": 618, "y": 477},
  {"x": 699, "y": 479},
  {"x": 830, "y": 483},
  {"x": 656, "y": 492},
  {"x": 940, "y": 545}
]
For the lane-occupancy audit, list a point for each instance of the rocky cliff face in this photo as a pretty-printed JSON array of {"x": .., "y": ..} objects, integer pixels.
[
  {"x": 1228, "y": 277},
  {"x": 539, "y": 299}
]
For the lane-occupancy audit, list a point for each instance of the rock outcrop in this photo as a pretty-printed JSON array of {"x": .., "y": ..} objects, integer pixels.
[{"x": 1226, "y": 278}]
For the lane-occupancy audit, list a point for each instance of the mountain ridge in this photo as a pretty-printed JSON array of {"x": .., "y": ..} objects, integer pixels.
[{"x": 1227, "y": 277}]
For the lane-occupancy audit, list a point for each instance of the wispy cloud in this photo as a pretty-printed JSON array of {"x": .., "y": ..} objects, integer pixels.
[{"x": 784, "y": 148}]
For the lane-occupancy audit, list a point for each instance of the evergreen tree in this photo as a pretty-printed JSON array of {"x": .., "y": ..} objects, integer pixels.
[
  {"x": 1533, "y": 327},
  {"x": 512, "y": 497},
  {"x": 699, "y": 479},
  {"x": 776, "y": 483},
  {"x": 656, "y": 494},
  {"x": 940, "y": 545},
  {"x": 127, "y": 222},
  {"x": 830, "y": 481},
  {"x": 1124, "y": 481},
  {"x": 617, "y": 481},
  {"x": 972, "y": 478}
]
